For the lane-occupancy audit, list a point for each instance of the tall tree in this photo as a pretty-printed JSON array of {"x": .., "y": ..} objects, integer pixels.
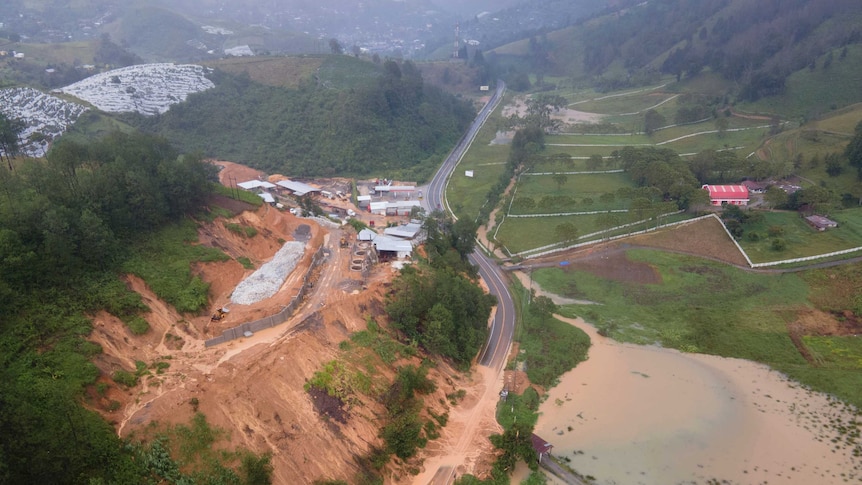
[
  {"x": 10, "y": 132},
  {"x": 854, "y": 149}
]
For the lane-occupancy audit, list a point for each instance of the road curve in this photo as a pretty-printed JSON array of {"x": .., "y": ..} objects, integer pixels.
[{"x": 502, "y": 330}]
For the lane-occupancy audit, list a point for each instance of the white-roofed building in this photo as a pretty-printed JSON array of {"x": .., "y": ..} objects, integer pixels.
[
  {"x": 406, "y": 231},
  {"x": 392, "y": 247},
  {"x": 366, "y": 235},
  {"x": 267, "y": 197},
  {"x": 255, "y": 184},
  {"x": 297, "y": 188},
  {"x": 402, "y": 208},
  {"x": 378, "y": 208},
  {"x": 363, "y": 200}
]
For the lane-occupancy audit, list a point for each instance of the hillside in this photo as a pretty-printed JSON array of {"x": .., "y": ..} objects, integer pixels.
[
  {"x": 755, "y": 45},
  {"x": 351, "y": 118}
]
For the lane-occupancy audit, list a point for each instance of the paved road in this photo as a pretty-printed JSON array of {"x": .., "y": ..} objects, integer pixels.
[
  {"x": 502, "y": 330},
  {"x": 494, "y": 353}
]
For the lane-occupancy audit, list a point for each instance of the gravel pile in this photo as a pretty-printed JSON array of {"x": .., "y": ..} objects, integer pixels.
[{"x": 266, "y": 281}]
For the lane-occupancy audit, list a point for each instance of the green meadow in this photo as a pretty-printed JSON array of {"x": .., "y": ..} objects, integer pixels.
[
  {"x": 800, "y": 239},
  {"x": 584, "y": 190}
]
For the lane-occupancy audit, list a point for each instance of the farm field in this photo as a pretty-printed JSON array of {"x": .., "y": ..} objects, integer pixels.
[
  {"x": 585, "y": 192},
  {"x": 466, "y": 195},
  {"x": 272, "y": 71},
  {"x": 800, "y": 239}
]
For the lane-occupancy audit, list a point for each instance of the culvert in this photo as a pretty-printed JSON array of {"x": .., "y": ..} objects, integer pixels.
[
  {"x": 364, "y": 245},
  {"x": 357, "y": 261},
  {"x": 356, "y": 267},
  {"x": 359, "y": 253}
]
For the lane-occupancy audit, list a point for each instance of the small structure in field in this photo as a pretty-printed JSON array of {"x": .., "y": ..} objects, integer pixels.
[
  {"x": 754, "y": 187},
  {"x": 727, "y": 194},
  {"x": 820, "y": 223},
  {"x": 542, "y": 447}
]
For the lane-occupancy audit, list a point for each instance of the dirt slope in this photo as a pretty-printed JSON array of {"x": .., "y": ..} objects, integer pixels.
[{"x": 253, "y": 387}]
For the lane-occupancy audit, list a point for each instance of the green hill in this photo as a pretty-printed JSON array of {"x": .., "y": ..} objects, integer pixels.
[
  {"x": 755, "y": 45},
  {"x": 350, "y": 118}
]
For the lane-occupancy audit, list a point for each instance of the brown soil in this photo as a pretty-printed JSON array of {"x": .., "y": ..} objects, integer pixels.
[
  {"x": 704, "y": 238},
  {"x": 254, "y": 387}
]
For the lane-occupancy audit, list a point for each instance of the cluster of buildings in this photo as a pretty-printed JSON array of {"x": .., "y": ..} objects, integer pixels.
[
  {"x": 740, "y": 195},
  {"x": 394, "y": 243}
]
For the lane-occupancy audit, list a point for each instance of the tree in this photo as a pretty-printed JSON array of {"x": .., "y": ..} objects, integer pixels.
[
  {"x": 854, "y": 149},
  {"x": 335, "y": 46},
  {"x": 834, "y": 164},
  {"x": 721, "y": 124},
  {"x": 775, "y": 196},
  {"x": 10, "y": 131},
  {"x": 594, "y": 162},
  {"x": 566, "y": 232},
  {"x": 356, "y": 51},
  {"x": 653, "y": 120},
  {"x": 560, "y": 179},
  {"x": 542, "y": 307}
]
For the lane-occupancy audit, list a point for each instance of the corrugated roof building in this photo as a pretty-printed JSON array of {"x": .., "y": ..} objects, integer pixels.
[{"x": 727, "y": 194}]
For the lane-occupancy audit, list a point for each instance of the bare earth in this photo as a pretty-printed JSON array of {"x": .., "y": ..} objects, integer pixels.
[
  {"x": 253, "y": 387},
  {"x": 566, "y": 115}
]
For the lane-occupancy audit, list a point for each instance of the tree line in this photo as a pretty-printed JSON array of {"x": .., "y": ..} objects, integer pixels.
[{"x": 66, "y": 225}]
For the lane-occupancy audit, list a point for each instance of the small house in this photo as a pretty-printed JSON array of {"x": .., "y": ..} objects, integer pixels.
[
  {"x": 820, "y": 223},
  {"x": 541, "y": 447},
  {"x": 754, "y": 187}
]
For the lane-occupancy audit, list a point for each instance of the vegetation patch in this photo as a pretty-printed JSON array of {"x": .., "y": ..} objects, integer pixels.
[
  {"x": 702, "y": 306},
  {"x": 244, "y": 231},
  {"x": 164, "y": 260}
]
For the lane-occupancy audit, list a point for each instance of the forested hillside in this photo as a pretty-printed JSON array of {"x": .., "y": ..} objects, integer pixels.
[
  {"x": 67, "y": 225},
  {"x": 397, "y": 125},
  {"x": 757, "y": 45}
]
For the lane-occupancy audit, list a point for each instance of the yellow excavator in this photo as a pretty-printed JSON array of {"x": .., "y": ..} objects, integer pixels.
[{"x": 219, "y": 314}]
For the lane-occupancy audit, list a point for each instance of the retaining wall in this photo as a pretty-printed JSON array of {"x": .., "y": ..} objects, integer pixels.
[{"x": 276, "y": 319}]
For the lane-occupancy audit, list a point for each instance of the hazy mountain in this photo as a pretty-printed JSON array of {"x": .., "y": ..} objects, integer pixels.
[{"x": 170, "y": 29}]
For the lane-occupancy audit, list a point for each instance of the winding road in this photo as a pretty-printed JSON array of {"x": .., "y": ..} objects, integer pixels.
[
  {"x": 493, "y": 355},
  {"x": 502, "y": 330}
]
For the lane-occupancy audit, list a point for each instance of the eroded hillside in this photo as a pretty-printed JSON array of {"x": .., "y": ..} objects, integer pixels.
[{"x": 254, "y": 387}]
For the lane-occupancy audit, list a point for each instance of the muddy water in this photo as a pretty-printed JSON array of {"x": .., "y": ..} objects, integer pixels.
[{"x": 645, "y": 415}]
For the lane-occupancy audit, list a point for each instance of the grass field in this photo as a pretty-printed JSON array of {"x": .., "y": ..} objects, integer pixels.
[
  {"x": 702, "y": 306},
  {"x": 466, "y": 195},
  {"x": 272, "y": 71},
  {"x": 578, "y": 187},
  {"x": 800, "y": 239},
  {"x": 635, "y": 102}
]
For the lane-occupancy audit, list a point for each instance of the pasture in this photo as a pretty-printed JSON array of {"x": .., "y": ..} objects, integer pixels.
[
  {"x": 800, "y": 239},
  {"x": 584, "y": 190},
  {"x": 278, "y": 71}
]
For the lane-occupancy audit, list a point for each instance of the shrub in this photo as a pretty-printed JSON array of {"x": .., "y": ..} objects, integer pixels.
[
  {"x": 778, "y": 244},
  {"x": 245, "y": 262},
  {"x": 125, "y": 378},
  {"x": 138, "y": 325},
  {"x": 775, "y": 231}
]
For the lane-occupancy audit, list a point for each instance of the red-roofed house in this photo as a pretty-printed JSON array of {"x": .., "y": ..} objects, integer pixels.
[
  {"x": 542, "y": 447},
  {"x": 727, "y": 194}
]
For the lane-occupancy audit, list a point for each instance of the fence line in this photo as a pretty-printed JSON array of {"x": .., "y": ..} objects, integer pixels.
[
  {"x": 612, "y": 238},
  {"x": 275, "y": 319},
  {"x": 561, "y": 214},
  {"x": 805, "y": 258},
  {"x": 593, "y": 172}
]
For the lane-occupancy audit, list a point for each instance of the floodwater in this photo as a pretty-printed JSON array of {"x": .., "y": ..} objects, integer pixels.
[{"x": 646, "y": 415}]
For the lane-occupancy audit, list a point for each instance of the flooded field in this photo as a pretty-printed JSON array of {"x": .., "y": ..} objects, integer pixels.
[{"x": 646, "y": 415}]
